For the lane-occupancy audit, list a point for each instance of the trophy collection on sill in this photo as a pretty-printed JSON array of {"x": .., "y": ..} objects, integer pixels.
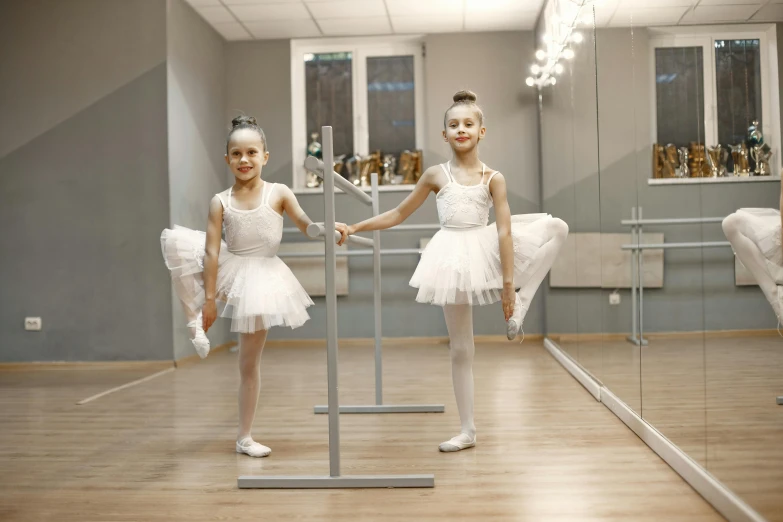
[
  {"x": 747, "y": 158},
  {"x": 391, "y": 170}
]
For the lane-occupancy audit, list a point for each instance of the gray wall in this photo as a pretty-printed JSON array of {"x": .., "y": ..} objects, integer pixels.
[
  {"x": 699, "y": 291},
  {"x": 197, "y": 131},
  {"x": 497, "y": 76},
  {"x": 83, "y": 180}
]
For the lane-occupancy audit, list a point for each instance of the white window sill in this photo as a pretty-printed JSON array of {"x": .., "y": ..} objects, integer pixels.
[
  {"x": 381, "y": 188},
  {"x": 705, "y": 181}
]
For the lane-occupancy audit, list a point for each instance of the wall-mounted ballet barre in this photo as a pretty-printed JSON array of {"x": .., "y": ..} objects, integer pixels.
[
  {"x": 335, "y": 479},
  {"x": 637, "y": 259}
]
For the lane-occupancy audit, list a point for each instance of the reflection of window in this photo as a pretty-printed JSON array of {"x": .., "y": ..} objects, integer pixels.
[
  {"x": 679, "y": 78},
  {"x": 738, "y": 87},
  {"x": 368, "y": 90},
  {"x": 709, "y": 87}
]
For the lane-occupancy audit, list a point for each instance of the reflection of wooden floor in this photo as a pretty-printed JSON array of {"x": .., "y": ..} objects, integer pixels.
[
  {"x": 713, "y": 396},
  {"x": 163, "y": 450}
]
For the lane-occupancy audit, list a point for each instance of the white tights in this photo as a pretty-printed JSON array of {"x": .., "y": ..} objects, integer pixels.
[
  {"x": 250, "y": 348},
  {"x": 459, "y": 322},
  {"x": 556, "y": 233},
  {"x": 735, "y": 228}
]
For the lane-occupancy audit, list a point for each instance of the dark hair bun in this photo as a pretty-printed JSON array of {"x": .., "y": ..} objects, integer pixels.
[
  {"x": 465, "y": 96},
  {"x": 243, "y": 120}
]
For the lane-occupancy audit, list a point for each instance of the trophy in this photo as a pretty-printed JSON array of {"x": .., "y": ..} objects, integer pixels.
[
  {"x": 669, "y": 161},
  {"x": 353, "y": 169},
  {"x": 369, "y": 164},
  {"x": 657, "y": 161},
  {"x": 761, "y": 155},
  {"x": 717, "y": 157},
  {"x": 313, "y": 149},
  {"x": 739, "y": 154},
  {"x": 389, "y": 167},
  {"x": 683, "y": 171},
  {"x": 759, "y": 151}
]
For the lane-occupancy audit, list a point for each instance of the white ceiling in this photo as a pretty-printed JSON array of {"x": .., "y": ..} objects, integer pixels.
[
  {"x": 269, "y": 19},
  {"x": 640, "y": 13}
]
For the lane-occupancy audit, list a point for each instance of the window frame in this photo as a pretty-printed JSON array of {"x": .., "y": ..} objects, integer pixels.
[
  {"x": 360, "y": 49},
  {"x": 705, "y": 37}
]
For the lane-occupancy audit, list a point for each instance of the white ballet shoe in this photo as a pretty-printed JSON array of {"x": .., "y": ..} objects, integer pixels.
[
  {"x": 199, "y": 339},
  {"x": 458, "y": 443},
  {"x": 250, "y": 447},
  {"x": 514, "y": 324}
]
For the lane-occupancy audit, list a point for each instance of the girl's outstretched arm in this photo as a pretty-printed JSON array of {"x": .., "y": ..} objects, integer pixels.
[
  {"x": 397, "y": 215},
  {"x": 214, "y": 227}
]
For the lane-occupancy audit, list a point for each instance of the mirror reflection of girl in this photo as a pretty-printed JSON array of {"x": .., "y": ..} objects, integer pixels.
[
  {"x": 754, "y": 234},
  {"x": 469, "y": 262}
]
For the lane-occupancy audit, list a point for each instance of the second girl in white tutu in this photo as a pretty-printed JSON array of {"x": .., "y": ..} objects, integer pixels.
[{"x": 469, "y": 262}]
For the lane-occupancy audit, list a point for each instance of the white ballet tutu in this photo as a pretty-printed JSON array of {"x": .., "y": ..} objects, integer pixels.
[
  {"x": 462, "y": 266},
  {"x": 764, "y": 230},
  {"x": 256, "y": 293}
]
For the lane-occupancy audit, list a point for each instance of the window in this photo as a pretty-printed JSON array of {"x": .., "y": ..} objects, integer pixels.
[
  {"x": 369, "y": 91},
  {"x": 711, "y": 84}
]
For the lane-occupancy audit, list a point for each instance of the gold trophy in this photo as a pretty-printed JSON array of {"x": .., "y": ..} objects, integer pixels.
[
  {"x": 739, "y": 154},
  {"x": 716, "y": 159}
]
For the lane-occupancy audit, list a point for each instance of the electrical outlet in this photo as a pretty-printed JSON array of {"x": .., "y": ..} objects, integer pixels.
[
  {"x": 32, "y": 324},
  {"x": 614, "y": 299}
]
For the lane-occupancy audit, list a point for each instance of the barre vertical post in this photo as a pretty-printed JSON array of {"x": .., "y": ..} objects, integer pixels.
[
  {"x": 376, "y": 286},
  {"x": 640, "y": 232},
  {"x": 331, "y": 309},
  {"x": 320, "y": 230},
  {"x": 633, "y": 278},
  {"x": 334, "y": 480},
  {"x": 632, "y": 337}
]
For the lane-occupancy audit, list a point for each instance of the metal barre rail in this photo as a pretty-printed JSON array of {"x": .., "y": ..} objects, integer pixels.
[
  {"x": 672, "y": 221},
  {"x": 637, "y": 259},
  {"x": 315, "y": 165},
  {"x": 398, "y": 228},
  {"x": 665, "y": 246},
  {"x": 352, "y": 253},
  {"x": 317, "y": 230}
]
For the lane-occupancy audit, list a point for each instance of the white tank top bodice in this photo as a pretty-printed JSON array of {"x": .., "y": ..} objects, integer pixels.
[
  {"x": 462, "y": 207},
  {"x": 256, "y": 232}
]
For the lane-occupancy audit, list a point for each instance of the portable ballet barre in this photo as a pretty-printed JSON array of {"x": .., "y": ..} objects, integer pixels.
[
  {"x": 637, "y": 259},
  {"x": 316, "y": 230},
  {"x": 334, "y": 479}
]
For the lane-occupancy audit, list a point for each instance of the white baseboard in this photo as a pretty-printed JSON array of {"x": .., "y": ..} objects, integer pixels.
[
  {"x": 585, "y": 379},
  {"x": 725, "y": 501}
]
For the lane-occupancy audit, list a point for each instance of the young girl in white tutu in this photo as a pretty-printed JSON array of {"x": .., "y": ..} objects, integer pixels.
[
  {"x": 754, "y": 234},
  {"x": 469, "y": 262},
  {"x": 240, "y": 278}
]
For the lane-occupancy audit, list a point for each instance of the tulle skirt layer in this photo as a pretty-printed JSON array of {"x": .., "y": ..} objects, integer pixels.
[
  {"x": 256, "y": 293},
  {"x": 463, "y": 266}
]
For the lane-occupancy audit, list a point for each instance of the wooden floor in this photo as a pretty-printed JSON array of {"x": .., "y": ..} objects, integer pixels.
[
  {"x": 163, "y": 450},
  {"x": 712, "y": 396}
]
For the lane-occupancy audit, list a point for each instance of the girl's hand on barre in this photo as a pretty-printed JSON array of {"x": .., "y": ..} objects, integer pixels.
[{"x": 344, "y": 231}]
